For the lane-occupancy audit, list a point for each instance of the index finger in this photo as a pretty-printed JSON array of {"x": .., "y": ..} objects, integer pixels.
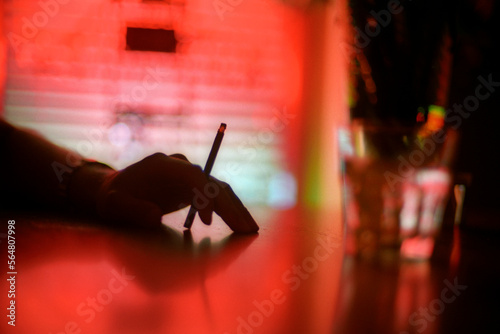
[{"x": 230, "y": 208}]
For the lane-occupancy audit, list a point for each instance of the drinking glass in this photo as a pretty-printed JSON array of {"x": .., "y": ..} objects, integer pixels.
[{"x": 396, "y": 184}]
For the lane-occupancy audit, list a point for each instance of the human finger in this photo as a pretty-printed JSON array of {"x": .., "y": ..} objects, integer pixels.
[
  {"x": 230, "y": 208},
  {"x": 179, "y": 156},
  {"x": 203, "y": 191}
]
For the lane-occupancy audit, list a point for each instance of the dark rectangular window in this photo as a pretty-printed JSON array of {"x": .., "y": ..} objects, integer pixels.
[{"x": 144, "y": 39}]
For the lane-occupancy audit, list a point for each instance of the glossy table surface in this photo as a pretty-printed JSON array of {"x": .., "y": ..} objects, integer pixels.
[{"x": 74, "y": 276}]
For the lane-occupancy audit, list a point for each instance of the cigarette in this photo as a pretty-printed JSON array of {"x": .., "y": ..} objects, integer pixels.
[{"x": 208, "y": 168}]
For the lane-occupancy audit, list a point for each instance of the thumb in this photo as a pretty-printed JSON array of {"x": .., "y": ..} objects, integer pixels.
[
  {"x": 206, "y": 215},
  {"x": 122, "y": 208},
  {"x": 204, "y": 204}
]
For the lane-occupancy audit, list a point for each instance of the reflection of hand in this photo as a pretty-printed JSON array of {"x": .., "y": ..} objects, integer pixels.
[
  {"x": 163, "y": 259},
  {"x": 160, "y": 184}
]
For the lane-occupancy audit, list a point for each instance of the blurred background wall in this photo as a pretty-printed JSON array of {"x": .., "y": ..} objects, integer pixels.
[{"x": 117, "y": 80}]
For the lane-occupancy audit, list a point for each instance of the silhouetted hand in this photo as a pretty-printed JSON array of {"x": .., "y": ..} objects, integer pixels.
[
  {"x": 140, "y": 194},
  {"x": 159, "y": 184}
]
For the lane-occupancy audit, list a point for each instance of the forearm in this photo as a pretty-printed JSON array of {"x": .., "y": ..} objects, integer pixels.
[{"x": 39, "y": 172}]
